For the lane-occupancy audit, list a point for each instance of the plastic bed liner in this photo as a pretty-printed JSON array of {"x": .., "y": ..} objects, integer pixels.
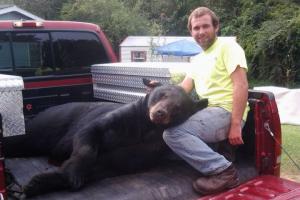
[{"x": 170, "y": 180}]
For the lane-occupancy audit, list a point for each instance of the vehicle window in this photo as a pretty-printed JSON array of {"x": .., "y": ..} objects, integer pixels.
[
  {"x": 5, "y": 52},
  {"x": 77, "y": 50},
  {"x": 32, "y": 54}
]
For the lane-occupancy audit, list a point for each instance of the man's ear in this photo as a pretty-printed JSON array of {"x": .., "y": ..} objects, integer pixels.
[
  {"x": 217, "y": 29},
  {"x": 151, "y": 83}
]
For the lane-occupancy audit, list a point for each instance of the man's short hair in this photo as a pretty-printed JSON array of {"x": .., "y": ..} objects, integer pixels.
[{"x": 199, "y": 12}]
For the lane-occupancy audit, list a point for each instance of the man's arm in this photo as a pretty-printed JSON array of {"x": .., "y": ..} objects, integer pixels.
[{"x": 240, "y": 97}]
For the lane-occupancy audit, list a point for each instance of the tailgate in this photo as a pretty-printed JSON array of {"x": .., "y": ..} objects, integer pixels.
[{"x": 261, "y": 188}]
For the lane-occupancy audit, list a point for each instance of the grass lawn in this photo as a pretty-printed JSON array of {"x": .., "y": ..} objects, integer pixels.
[{"x": 291, "y": 143}]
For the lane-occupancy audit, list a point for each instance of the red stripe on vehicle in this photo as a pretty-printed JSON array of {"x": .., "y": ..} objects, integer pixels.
[{"x": 57, "y": 83}]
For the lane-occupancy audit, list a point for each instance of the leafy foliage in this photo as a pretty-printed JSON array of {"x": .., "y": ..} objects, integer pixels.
[
  {"x": 116, "y": 20},
  {"x": 269, "y": 32}
]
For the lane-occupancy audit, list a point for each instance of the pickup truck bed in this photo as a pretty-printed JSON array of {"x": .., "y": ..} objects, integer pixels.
[
  {"x": 258, "y": 159},
  {"x": 170, "y": 180}
]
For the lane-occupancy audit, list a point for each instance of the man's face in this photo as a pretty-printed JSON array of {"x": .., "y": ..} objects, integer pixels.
[{"x": 203, "y": 31}]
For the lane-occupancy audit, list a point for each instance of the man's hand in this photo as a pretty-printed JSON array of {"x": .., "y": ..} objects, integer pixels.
[{"x": 235, "y": 134}]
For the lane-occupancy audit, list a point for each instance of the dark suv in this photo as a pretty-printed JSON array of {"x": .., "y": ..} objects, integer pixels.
[{"x": 54, "y": 59}]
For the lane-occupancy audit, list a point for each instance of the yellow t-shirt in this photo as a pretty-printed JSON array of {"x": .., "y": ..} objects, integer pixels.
[{"x": 211, "y": 72}]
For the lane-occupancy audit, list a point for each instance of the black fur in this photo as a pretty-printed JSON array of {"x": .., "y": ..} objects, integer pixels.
[{"x": 83, "y": 136}]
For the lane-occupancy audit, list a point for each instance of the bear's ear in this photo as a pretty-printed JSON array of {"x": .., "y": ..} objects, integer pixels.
[
  {"x": 201, "y": 104},
  {"x": 151, "y": 83}
]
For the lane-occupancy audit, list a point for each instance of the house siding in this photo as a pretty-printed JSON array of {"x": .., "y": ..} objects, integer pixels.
[
  {"x": 12, "y": 12},
  {"x": 125, "y": 55},
  {"x": 14, "y": 16}
]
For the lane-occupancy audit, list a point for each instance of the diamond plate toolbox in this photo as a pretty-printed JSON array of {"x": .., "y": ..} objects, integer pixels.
[
  {"x": 122, "y": 82},
  {"x": 11, "y": 105}
]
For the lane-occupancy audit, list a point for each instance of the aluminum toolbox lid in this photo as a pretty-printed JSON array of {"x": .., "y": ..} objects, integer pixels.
[
  {"x": 142, "y": 68},
  {"x": 146, "y": 64},
  {"x": 10, "y": 83}
]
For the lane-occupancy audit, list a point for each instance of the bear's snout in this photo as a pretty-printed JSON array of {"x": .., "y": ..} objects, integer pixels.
[{"x": 159, "y": 115}]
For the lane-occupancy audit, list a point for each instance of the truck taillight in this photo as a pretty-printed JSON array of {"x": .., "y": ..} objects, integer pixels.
[{"x": 28, "y": 24}]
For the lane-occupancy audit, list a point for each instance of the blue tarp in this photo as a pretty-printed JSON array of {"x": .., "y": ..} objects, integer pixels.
[{"x": 179, "y": 48}]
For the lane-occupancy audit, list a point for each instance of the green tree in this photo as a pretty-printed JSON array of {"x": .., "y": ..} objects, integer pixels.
[
  {"x": 156, "y": 11},
  {"x": 269, "y": 32},
  {"x": 6, "y": 2},
  {"x": 115, "y": 19}
]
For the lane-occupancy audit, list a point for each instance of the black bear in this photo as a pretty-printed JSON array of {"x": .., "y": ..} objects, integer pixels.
[{"x": 104, "y": 135}]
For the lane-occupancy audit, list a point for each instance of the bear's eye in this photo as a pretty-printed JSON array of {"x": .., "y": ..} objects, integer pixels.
[{"x": 163, "y": 96}]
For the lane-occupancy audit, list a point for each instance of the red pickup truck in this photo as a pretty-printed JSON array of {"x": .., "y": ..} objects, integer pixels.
[{"x": 257, "y": 161}]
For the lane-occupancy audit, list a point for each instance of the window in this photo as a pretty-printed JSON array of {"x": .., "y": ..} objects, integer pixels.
[
  {"x": 138, "y": 56},
  {"x": 77, "y": 50},
  {"x": 32, "y": 54},
  {"x": 35, "y": 54},
  {"x": 5, "y": 52}
]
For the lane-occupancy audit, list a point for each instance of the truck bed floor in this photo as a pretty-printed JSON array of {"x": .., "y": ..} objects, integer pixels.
[{"x": 170, "y": 180}]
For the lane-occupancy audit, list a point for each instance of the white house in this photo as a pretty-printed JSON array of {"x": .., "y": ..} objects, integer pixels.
[
  {"x": 141, "y": 49},
  {"x": 12, "y": 12}
]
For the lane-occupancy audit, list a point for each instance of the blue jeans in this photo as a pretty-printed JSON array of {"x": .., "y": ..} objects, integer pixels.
[{"x": 189, "y": 139}]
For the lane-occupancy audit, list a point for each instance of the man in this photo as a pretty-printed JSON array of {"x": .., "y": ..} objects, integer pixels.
[{"x": 219, "y": 74}]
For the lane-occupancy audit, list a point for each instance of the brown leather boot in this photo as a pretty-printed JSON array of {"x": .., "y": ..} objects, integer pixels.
[{"x": 218, "y": 182}]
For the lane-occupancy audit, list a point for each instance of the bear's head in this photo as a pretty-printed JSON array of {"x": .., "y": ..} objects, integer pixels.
[{"x": 169, "y": 105}]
